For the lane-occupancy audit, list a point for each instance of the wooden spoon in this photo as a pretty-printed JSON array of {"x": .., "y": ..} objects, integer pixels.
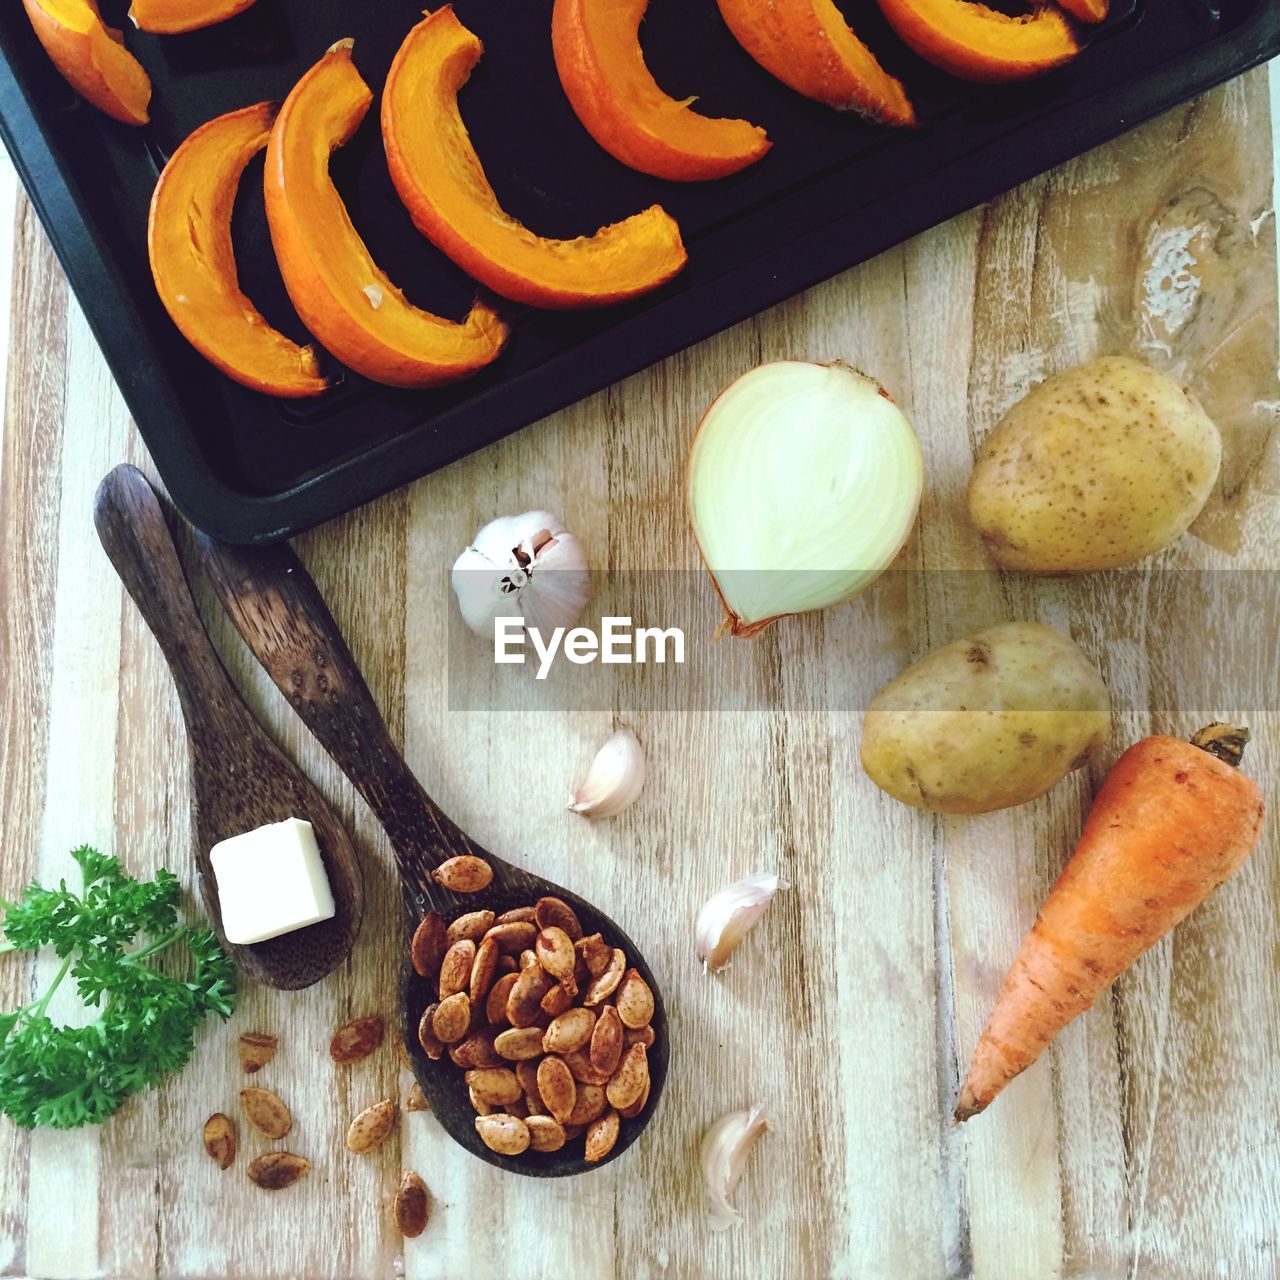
[
  {"x": 284, "y": 620},
  {"x": 240, "y": 779}
]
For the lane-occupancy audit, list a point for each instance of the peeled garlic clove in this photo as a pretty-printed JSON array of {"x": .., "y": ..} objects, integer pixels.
[
  {"x": 729, "y": 916},
  {"x": 615, "y": 778},
  {"x": 804, "y": 481},
  {"x": 725, "y": 1148},
  {"x": 526, "y": 566}
]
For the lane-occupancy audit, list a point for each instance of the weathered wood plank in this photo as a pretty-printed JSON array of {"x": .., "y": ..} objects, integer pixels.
[
  {"x": 65, "y": 1169},
  {"x": 30, "y": 474}
]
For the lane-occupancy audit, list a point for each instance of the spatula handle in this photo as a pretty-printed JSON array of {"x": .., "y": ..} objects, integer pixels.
[{"x": 280, "y": 613}]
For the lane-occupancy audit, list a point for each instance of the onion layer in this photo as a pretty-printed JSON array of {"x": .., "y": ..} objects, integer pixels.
[{"x": 804, "y": 483}]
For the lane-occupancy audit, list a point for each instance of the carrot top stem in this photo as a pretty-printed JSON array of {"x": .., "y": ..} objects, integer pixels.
[{"x": 1226, "y": 741}]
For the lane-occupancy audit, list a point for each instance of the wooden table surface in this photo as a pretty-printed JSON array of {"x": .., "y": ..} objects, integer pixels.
[{"x": 1146, "y": 1145}]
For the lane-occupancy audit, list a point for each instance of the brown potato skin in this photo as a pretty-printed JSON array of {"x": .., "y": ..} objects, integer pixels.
[
  {"x": 1097, "y": 467},
  {"x": 989, "y": 721}
]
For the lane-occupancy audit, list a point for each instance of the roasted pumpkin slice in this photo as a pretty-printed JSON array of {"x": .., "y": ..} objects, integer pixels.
[
  {"x": 809, "y": 47},
  {"x": 194, "y": 266},
  {"x": 976, "y": 43},
  {"x": 92, "y": 57},
  {"x": 440, "y": 180},
  {"x": 602, "y": 69},
  {"x": 172, "y": 17},
  {"x": 342, "y": 295},
  {"x": 1086, "y": 10}
]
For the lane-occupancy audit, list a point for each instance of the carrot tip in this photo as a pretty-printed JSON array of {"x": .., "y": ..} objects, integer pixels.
[{"x": 968, "y": 1107}]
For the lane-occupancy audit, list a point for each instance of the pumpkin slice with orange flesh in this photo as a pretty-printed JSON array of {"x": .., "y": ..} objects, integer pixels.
[
  {"x": 440, "y": 179},
  {"x": 194, "y": 266},
  {"x": 342, "y": 295},
  {"x": 91, "y": 57},
  {"x": 602, "y": 68},
  {"x": 172, "y": 17},
  {"x": 976, "y": 43},
  {"x": 809, "y": 47},
  {"x": 1086, "y": 10}
]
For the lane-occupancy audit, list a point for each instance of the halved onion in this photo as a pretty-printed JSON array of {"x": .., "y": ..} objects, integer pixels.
[{"x": 804, "y": 483}]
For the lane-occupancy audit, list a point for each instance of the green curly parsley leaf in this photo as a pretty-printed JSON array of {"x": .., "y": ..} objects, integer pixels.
[{"x": 64, "y": 1077}]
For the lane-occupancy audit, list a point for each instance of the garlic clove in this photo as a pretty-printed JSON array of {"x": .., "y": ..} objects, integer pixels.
[
  {"x": 615, "y": 778},
  {"x": 728, "y": 916},
  {"x": 526, "y": 566},
  {"x": 725, "y": 1147}
]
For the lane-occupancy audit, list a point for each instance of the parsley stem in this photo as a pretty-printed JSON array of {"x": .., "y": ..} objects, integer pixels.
[
  {"x": 37, "y": 1010},
  {"x": 7, "y": 946},
  {"x": 168, "y": 940},
  {"x": 37, "y": 1007}
]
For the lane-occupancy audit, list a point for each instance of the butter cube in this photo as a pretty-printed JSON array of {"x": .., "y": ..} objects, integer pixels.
[{"x": 271, "y": 881}]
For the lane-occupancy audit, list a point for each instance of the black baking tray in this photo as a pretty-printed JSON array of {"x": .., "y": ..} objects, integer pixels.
[{"x": 833, "y": 191}]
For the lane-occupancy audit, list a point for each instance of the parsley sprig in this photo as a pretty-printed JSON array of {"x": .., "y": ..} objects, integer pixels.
[{"x": 65, "y": 1076}]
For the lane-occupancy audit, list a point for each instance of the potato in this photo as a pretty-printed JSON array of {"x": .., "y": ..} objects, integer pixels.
[
  {"x": 1096, "y": 467},
  {"x": 986, "y": 722}
]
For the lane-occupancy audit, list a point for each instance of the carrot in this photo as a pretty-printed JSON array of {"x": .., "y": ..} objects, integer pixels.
[{"x": 1171, "y": 823}]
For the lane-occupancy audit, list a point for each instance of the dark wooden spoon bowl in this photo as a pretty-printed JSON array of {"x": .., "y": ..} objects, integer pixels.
[
  {"x": 284, "y": 620},
  {"x": 240, "y": 779}
]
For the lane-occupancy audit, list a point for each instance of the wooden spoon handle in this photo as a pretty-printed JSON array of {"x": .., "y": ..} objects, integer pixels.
[
  {"x": 284, "y": 620},
  {"x": 133, "y": 532}
]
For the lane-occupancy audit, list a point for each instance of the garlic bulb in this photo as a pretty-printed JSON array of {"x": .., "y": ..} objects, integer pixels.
[
  {"x": 615, "y": 778},
  {"x": 804, "y": 481},
  {"x": 522, "y": 566},
  {"x": 725, "y": 1148},
  {"x": 729, "y": 916}
]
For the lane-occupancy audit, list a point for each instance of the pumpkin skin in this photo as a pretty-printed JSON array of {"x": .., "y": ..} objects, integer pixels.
[
  {"x": 91, "y": 57},
  {"x": 809, "y": 47},
  {"x": 973, "y": 42},
  {"x": 193, "y": 262},
  {"x": 601, "y": 66},
  {"x": 442, "y": 184},
  {"x": 172, "y": 17},
  {"x": 1087, "y": 10},
  {"x": 344, "y": 298}
]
